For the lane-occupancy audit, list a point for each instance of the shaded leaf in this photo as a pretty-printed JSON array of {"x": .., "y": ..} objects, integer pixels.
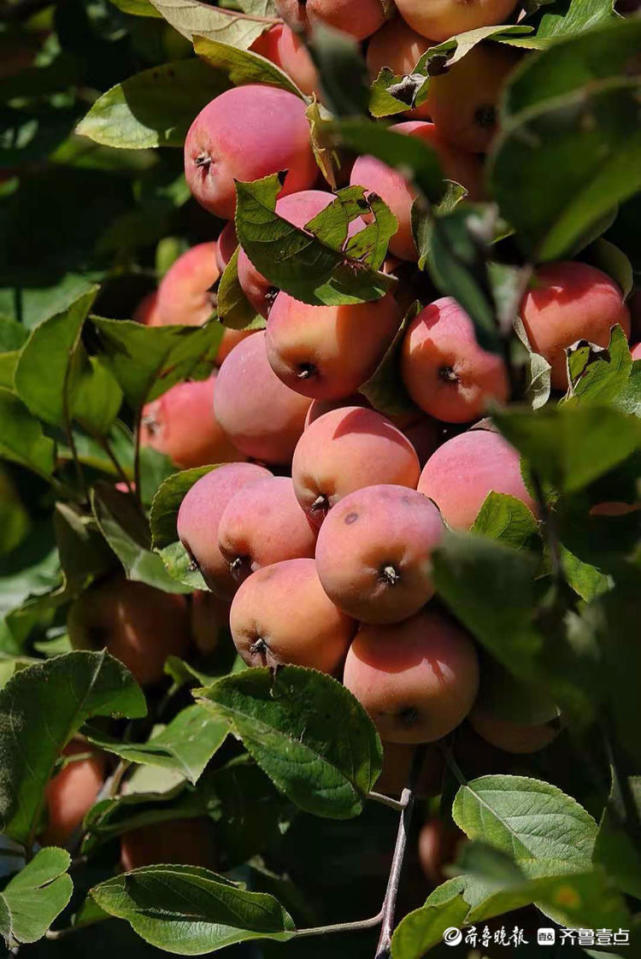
[
  {"x": 571, "y": 445},
  {"x": 586, "y": 145},
  {"x": 127, "y": 533},
  {"x": 341, "y": 70},
  {"x": 21, "y": 438},
  {"x": 234, "y": 309},
  {"x": 189, "y": 911},
  {"x": 40, "y": 710},
  {"x": 146, "y": 361}
]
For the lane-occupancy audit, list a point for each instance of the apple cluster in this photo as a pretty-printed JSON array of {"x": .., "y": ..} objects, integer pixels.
[{"x": 315, "y": 530}]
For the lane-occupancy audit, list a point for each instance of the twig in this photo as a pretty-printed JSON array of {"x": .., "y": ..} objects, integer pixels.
[{"x": 391, "y": 894}]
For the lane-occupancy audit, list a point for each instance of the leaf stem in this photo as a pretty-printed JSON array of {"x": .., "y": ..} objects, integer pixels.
[
  {"x": 106, "y": 446},
  {"x": 356, "y": 926},
  {"x": 386, "y": 801},
  {"x": 549, "y": 528}
]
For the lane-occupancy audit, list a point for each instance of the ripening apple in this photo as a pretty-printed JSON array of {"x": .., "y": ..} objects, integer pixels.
[
  {"x": 261, "y": 416},
  {"x": 71, "y": 793},
  {"x": 199, "y": 517},
  {"x": 442, "y": 19},
  {"x": 345, "y": 450},
  {"x": 446, "y": 372},
  {"x": 459, "y": 475},
  {"x": 463, "y": 99},
  {"x": 188, "y": 842},
  {"x": 182, "y": 425},
  {"x": 395, "y": 189},
  {"x": 417, "y": 679},
  {"x": 569, "y": 301},
  {"x": 284, "y": 47},
  {"x": 282, "y": 614},
  {"x": 139, "y": 625},
  {"x": 358, "y": 18},
  {"x": 374, "y": 553},
  {"x": 247, "y": 133}
]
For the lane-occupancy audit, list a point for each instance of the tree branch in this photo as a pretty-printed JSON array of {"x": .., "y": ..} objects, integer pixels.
[{"x": 391, "y": 894}]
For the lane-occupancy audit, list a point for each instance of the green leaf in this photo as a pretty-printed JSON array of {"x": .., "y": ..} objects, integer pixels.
[
  {"x": 58, "y": 381},
  {"x": 295, "y": 260},
  {"x": 457, "y": 258},
  {"x": 574, "y": 60},
  {"x": 562, "y": 18},
  {"x": 614, "y": 849},
  {"x": 603, "y": 374},
  {"x": 192, "y": 18},
  {"x": 233, "y": 307},
  {"x": 503, "y": 696},
  {"x": 41, "y": 708},
  {"x": 84, "y": 554},
  {"x": 181, "y": 568},
  {"x": 526, "y": 818},
  {"x": 506, "y": 519},
  {"x": 186, "y": 744},
  {"x": 571, "y": 445},
  {"x": 423, "y": 928},
  {"x": 242, "y": 66},
  {"x": 385, "y": 389},
  {"x": 585, "y": 579},
  {"x": 127, "y": 532},
  {"x": 146, "y": 361},
  {"x": 43, "y": 374},
  {"x": 537, "y": 369},
  {"x": 137, "y": 8},
  {"x": 342, "y": 71},
  {"x": 12, "y": 337},
  {"x": 493, "y": 590},
  {"x": 12, "y": 334},
  {"x": 413, "y": 157},
  {"x": 33, "y": 898},
  {"x": 189, "y": 911},
  {"x": 21, "y": 438},
  {"x": 306, "y": 731},
  {"x": 612, "y": 260},
  {"x": 166, "y": 503},
  {"x": 586, "y": 146},
  {"x": 391, "y": 93}
]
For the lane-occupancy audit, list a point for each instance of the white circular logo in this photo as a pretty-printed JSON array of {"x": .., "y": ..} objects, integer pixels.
[{"x": 452, "y": 936}]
